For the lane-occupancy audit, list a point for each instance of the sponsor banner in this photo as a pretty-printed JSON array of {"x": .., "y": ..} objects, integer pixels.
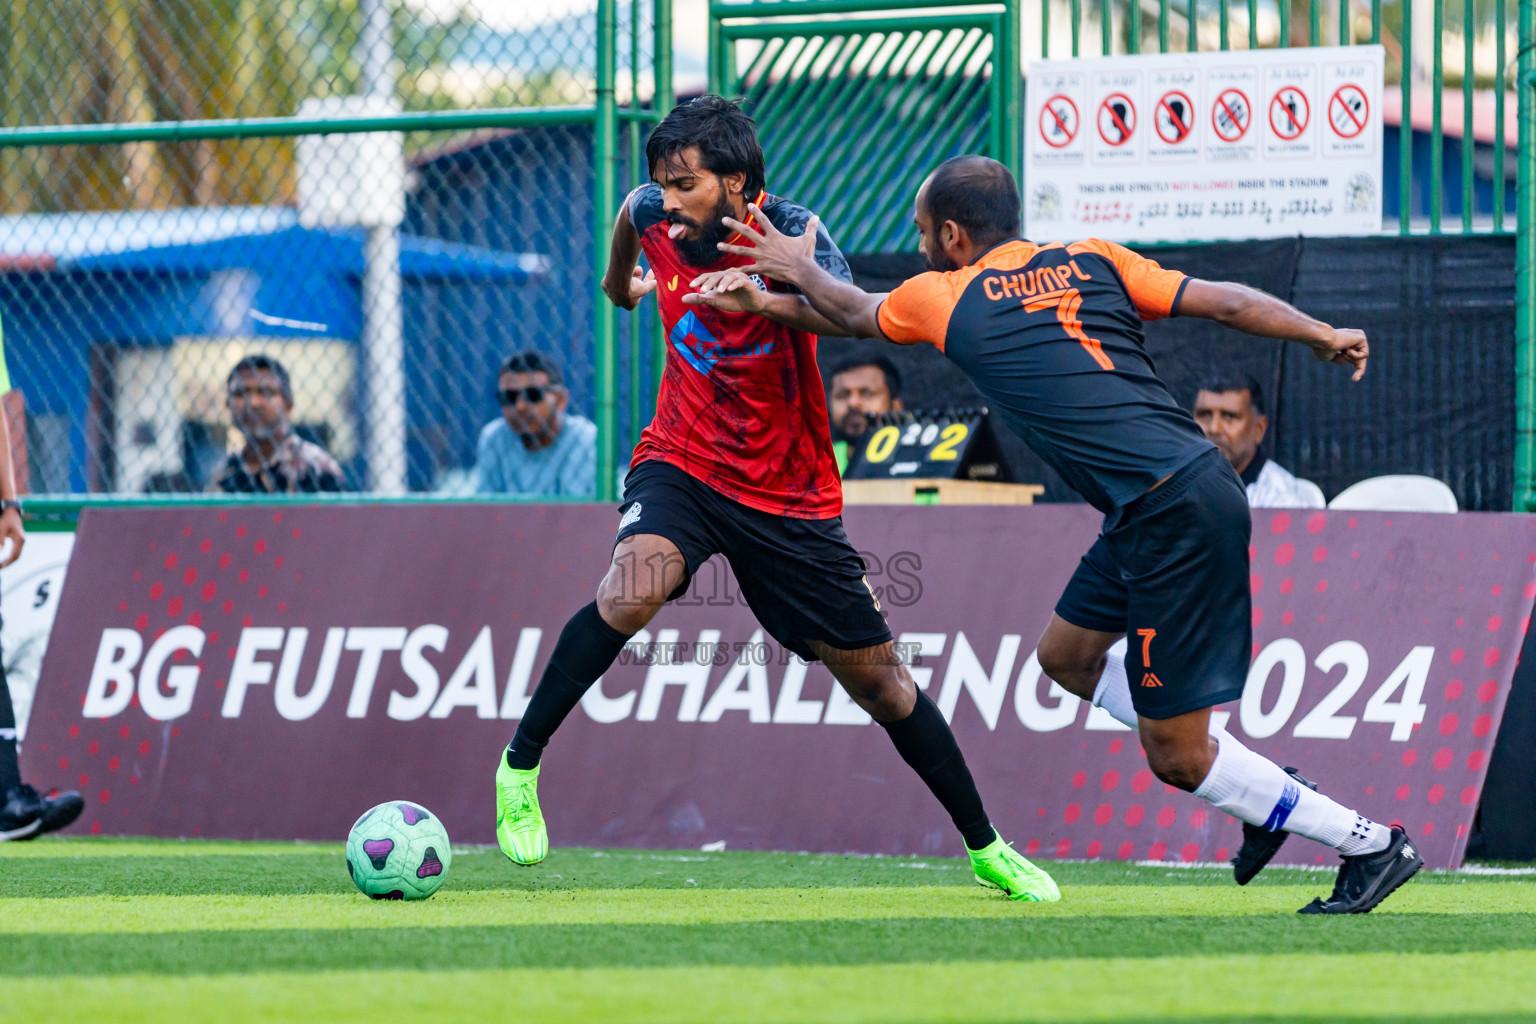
[
  {"x": 1205, "y": 146},
  {"x": 251, "y": 672},
  {"x": 29, "y": 597}
]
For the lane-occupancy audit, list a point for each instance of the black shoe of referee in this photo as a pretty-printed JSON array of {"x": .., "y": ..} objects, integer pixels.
[
  {"x": 26, "y": 814},
  {"x": 1367, "y": 879},
  {"x": 1260, "y": 844}
]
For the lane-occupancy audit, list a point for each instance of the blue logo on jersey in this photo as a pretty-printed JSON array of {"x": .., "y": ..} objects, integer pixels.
[{"x": 703, "y": 350}]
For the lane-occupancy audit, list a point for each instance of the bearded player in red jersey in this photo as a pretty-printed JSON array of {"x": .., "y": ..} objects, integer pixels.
[{"x": 738, "y": 461}]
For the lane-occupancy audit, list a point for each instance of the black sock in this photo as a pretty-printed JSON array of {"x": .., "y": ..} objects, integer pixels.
[
  {"x": 587, "y": 646},
  {"x": 10, "y": 770},
  {"x": 924, "y": 741}
]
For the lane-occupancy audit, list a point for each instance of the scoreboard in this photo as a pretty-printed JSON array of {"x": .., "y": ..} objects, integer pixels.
[{"x": 949, "y": 444}]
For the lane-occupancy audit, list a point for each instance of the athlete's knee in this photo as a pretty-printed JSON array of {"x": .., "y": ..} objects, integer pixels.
[
  {"x": 875, "y": 679},
  {"x": 624, "y": 606},
  {"x": 644, "y": 572},
  {"x": 1181, "y": 761},
  {"x": 1077, "y": 673},
  {"x": 888, "y": 698}
]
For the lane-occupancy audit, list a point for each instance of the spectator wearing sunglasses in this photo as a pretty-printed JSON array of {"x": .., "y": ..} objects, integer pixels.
[{"x": 537, "y": 448}]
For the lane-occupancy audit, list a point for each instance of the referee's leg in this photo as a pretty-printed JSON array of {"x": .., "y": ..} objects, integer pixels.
[{"x": 24, "y": 812}]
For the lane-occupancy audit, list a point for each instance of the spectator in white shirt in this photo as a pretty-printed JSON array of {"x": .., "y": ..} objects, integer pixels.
[{"x": 1230, "y": 409}]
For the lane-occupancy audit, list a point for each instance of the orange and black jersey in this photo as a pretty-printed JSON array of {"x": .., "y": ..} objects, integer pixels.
[{"x": 1051, "y": 335}]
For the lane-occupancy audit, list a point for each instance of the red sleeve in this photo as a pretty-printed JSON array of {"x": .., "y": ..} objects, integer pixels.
[{"x": 1154, "y": 291}]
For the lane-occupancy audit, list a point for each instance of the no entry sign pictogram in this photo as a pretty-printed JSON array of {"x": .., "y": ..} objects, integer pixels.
[
  {"x": 1231, "y": 114},
  {"x": 1348, "y": 111},
  {"x": 1289, "y": 112},
  {"x": 1117, "y": 119},
  {"x": 1058, "y": 121},
  {"x": 1174, "y": 117}
]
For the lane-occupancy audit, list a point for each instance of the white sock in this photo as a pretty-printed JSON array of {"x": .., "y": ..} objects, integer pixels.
[
  {"x": 1113, "y": 693},
  {"x": 1254, "y": 789},
  {"x": 1251, "y": 787}
]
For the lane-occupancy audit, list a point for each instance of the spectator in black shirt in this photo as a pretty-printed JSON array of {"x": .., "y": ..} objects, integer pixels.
[{"x": 274, "y": 460}]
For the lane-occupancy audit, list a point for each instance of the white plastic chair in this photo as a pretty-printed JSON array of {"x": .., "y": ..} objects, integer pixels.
[
  {"x": 1313, "y": 493},
  {"x": 1401, "y": 493}
]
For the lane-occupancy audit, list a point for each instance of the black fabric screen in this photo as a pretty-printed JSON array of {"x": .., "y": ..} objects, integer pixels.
[
  {"x": 1506, "y": 818},
  {"x": 1439, "y": 396}
]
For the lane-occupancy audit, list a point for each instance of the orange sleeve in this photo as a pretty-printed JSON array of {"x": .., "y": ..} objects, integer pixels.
[
  {"x": 1155, "y": 291},
  {"x": 920, "y": 307}
]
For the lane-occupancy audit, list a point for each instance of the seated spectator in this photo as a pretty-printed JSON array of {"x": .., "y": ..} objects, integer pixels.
[
  {"x": 536, "y": 448},
  {"x": 862, "y": 388},
  {"x": 1230, "y": 409},
  {"x": 274, "y": 460}
]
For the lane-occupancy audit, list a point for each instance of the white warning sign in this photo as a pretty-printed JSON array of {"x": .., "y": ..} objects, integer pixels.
[
  {"x": 1183, "y": 147},
  {"x": 1119, "y": 137},
  {"x": 1348, "y": 111},
  {"x": 1233, "y": 93},
  {"x": 1175, "y": 95},
  {"x": 1290, "y": 111},
  {"x": 1055, "y": 112},
  {"x": 1352, "y": 109},
  {"x": 1059, "y": 121}
]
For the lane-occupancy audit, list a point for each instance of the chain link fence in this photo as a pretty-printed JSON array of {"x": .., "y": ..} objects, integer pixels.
[{"x": 389, "y": 272}]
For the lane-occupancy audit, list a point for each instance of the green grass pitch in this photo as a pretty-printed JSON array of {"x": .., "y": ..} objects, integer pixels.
[{"x": 154, "y": 931}]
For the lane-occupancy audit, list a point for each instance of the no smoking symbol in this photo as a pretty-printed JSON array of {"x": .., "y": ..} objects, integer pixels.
[
  {"x": 1348, "y": 111},
  {"x": 1117, "y": 119},
  {"x": 1058, "y": 121},
  {"x": 1289, "y": 112},
  {"x": 1231, "y": 114},
  {"x": 1175, "y": 117}
]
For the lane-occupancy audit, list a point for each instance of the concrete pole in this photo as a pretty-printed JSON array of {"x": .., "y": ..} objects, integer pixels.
[{"x": 383, "y": 317}]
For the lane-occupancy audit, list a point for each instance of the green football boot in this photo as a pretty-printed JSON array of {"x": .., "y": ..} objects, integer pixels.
[
  {"x": 1000, "y": 866},
  {"x": 519, "y": 822}
]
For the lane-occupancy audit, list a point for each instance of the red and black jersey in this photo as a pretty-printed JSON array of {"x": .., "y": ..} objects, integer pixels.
[
  {"x": 1051, "y": 335},
  {"x": 741, "y": 406}
]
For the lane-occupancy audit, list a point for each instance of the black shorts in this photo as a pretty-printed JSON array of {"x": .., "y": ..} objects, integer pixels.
[
  {"x": 801, "y": 577},
  {"x": 1170, "y": 571}
]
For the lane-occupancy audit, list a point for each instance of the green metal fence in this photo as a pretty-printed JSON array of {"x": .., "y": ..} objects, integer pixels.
[
  {"x": 162, "y": 219},
  {"x": 1492, "y": 41},
  {"x": 1480, "y": 34},
  {"x": 147, "y": 149},
  {"x": 840, "y": 84},
  {"x": 836, "y": 84},
  {"x": 1525, "y": 270}
]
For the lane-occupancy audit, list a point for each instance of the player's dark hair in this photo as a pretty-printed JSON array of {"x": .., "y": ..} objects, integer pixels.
[
  {"x": 725, "y": 135},
  {"x": 884, "y": 365},
  {"x": 979, "y": 194},
  {"x": 257, "y": 363},
  {"x": 1223, "y": 383},
  {"x": 532, "y": 362}
]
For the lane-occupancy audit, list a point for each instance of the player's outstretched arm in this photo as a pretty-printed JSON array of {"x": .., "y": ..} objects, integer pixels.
[
  {"x": 624, "y": 284},
  {"x": 847, "y": 308},
  {"x": 739, "y": 293},
  {"x": 1255, "y": 312}
]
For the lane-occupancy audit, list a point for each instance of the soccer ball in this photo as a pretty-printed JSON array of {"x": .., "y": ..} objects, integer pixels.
[{"x": 398, "y": 851}]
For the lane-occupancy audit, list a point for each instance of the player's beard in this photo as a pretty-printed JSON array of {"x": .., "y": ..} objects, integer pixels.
[
  {"x": 939, "y": 262},
  {"x": 703, "y": 251},
  {"x": 854, "y": 425},
  {"x": 257, "y": 431}
]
